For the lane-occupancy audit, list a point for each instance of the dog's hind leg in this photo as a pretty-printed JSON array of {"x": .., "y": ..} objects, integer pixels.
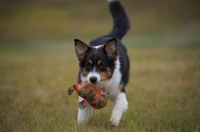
[
  {"x": 84, "y": 114},
  {"x": 120, "y": 106}
]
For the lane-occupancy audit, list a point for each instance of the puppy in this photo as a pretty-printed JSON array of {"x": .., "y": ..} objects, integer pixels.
[{"x": 104, "y": 62}]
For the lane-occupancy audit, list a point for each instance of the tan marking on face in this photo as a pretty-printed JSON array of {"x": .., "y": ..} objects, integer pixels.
[
  {"x": 106, "y": 75},
  {"x": 103, "y": 76},
  {"x": 84, "y": 72},
  {"x": 98, "y": 62},
  {"x": 90, "y": 61},
  {"x": 109, "y": 73}
]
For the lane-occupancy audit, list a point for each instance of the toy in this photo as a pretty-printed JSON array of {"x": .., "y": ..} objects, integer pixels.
[{"x": 96, "y": 97}]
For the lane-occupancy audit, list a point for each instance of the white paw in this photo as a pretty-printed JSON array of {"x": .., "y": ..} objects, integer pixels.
[
  {"x": 114, "y": 120},
  {"x": 81, "y": 122}
]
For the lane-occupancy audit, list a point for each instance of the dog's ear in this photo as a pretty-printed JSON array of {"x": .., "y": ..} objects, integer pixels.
[
  {"x": 110, "y": 48},
  {"x": 81, "y": 48}
]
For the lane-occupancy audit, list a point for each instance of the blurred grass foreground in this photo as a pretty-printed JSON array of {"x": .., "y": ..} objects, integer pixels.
[{"x": 38, "y": 64}]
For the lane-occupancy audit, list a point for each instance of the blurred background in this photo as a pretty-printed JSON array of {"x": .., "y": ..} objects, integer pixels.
[
  {"x": 47, "y": 20},
  {"x": 38, "y": 63}
]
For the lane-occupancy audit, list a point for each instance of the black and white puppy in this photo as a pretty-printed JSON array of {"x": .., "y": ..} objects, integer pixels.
[{"x": 104, "y": 62}]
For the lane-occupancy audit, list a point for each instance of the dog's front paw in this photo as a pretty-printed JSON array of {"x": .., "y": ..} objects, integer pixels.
[
  {"x": 115, "y": 119},
  {"x": 79, "y": 123}
]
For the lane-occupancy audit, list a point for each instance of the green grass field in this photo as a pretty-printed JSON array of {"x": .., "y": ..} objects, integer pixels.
[
  {"x": 38, "y": 65},
  {"x": 163, "y": 92}
]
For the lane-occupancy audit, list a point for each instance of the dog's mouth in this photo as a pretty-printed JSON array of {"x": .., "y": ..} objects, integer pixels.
[
  {"x": 95, "y": 79},
  {"x": 102, "y": 80},
  {"x": 96, "y": 83}
]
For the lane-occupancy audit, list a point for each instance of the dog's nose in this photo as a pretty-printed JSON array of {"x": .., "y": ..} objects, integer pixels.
[{"x": 93, "y": 79}]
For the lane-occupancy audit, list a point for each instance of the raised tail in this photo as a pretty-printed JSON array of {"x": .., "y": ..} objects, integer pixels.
[{"x": 120, "y": 19}]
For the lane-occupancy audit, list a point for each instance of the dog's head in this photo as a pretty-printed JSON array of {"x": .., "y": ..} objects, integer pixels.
[{"x": 97, "y": 63}]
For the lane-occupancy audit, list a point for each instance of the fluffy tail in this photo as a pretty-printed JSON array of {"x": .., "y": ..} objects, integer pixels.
[{"x": 120, "y": 19}]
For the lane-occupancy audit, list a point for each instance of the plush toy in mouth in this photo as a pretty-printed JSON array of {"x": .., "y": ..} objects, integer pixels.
[{"x": 91, "y": 94}]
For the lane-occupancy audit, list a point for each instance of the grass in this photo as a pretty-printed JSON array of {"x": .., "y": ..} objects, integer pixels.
[{"x": 163, "y": 91}]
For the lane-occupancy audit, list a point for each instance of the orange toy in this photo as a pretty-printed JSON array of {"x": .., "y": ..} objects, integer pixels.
[{"x": 96, "y": 97}]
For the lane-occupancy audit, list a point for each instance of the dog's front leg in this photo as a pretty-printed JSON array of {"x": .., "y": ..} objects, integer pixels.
[
  {"x": 120, "y": 106},
  {"x": 83, "y": 115}
]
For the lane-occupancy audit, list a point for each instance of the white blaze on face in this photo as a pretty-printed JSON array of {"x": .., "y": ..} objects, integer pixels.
[{"x": 94, "y": 74}]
